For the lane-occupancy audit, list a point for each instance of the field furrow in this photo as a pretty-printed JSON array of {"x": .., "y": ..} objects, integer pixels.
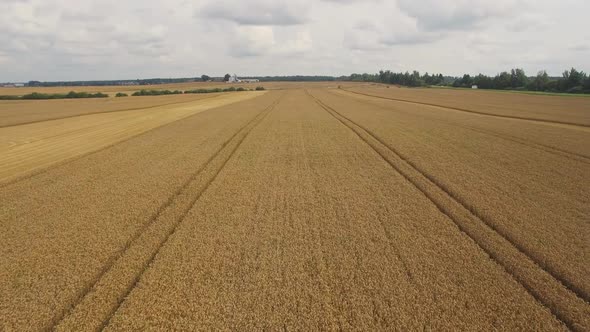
[
  {"x": 312, "y": 206},
  {"x": 109, "y": 290},
  {"x": 537, "y": 199},
  {"x": 15, "y": 113},
  {"x": 63, "y": 228},
  {"x": 26, "y": 148},
  {"x": 307, "y": 227},
  {"x": 566, "y": 303},
  {"x": 569, "y": 112}
]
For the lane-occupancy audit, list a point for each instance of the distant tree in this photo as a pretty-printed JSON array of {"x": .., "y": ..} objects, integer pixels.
[
  {"x": 121, "y": 94},
  {"x": 226, "y": 77},
  {"x": 502, "y": 81},
  {"x": 483, "y": 82},
  {"x": 573, "y": 78},
  {"x": 587, "y": 83},
  {"x": 540, "y": 82},
  {"x": 205, "y": 78},
  {"x": 518, "y": 78},
  {"x": 464, "y": 82}
]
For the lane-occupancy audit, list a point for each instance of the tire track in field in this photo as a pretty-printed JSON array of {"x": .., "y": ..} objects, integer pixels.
[
  {"x": 99, "y": 302},
  {"x": 390, "y": 241},
  {"x": 44, "y": 168},
  {"x": 567, "y": 302},
  {"x": 104, "y": 112},
  {"x": 102, "y": 123},
  {"x": 546, "y": 148},
  {"x": 563, "y": 124}
]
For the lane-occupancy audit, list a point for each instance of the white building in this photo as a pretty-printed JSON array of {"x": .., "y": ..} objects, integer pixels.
[
  {"x": 474, "y": 86},
  {"x": 235, "y": 79}
]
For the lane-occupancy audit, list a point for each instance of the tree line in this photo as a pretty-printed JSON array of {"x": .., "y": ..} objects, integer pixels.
[{"x": 571, "y": 81}]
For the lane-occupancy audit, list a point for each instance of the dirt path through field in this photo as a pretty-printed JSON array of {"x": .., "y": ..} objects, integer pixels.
[{"x": 26, "y": 148}]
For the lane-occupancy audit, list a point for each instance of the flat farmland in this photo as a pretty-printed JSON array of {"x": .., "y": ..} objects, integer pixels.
[
  {"x": 111, "y": 90},
  {"x": 307, "y": 207}
]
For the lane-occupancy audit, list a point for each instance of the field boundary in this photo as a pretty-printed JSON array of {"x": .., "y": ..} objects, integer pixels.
[
  {"x": 133, "y": 260},
  {"x": 549, "y": 149},
  {"x": 32, "y": 173},
  {"x": 568, "y": 303},
  {"x": 514, "y": 117},
  {"x": 106, "y": 112}
]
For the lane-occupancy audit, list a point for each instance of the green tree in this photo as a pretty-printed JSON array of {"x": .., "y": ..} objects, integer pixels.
[
  {"x": 518, "y": 78},
  {"x": 502, "y": 80},
  {"x": 540, "y": 82},
  {"x": 573, "y": 78},
  {"x": 226, "y": 77},
  {"x": 205, "y": 78}
]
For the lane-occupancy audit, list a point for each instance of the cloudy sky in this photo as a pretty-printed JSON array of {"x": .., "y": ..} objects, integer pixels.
[{"x": 128, "y": 39}]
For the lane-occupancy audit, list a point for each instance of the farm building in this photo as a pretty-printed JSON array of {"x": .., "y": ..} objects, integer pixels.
[{"x": 235, "y": 79}]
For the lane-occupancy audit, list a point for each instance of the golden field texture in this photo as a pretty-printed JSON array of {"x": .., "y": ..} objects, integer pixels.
[
  {"x": 567, "y": 109},
  {"x": 17, "y": 112},
  {"x": 308, "y": 208},
  {"x": 111, "y": 90},
  {"x": 34, "y": 146}
]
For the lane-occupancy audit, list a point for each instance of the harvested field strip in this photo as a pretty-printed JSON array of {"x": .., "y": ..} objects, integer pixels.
[
  {"x": 27, "y": 148},
  {"x": 562, "y": 124},
  {"x": 527, "y": 142},
  {"x": 107, "y": 111},
  {"x": 566, "y": 301},
  {"x": 122, "y": 275},
  {"x": 61, "y": 227}
]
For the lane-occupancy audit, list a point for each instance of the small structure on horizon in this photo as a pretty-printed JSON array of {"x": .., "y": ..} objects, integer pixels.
[
  {"x": 12, "y": 85},
  {"x": 474, "y": 86},
  {"x": 234, "y": 79}
]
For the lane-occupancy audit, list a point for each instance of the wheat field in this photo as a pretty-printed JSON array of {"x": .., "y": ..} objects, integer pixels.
[{"x": 306, "y": 207}]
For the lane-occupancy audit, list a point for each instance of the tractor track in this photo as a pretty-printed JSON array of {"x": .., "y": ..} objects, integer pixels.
[
  {"x": 161, "y": 226},
  {"x": 105, "y": 112},
  {"x": 538, "y": 146},
  {"x": 566, "y": 301},
  {"x": 35, "y": 172},
  {"x": 565, "y": 124}
]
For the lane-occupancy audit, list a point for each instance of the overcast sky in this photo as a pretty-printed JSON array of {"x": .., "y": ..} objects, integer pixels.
[{"x": 128, "y": 39}]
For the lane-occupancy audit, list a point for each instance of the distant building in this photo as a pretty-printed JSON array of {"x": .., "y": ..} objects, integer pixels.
[
  {"x": 234, "y": 79},
  {"x": 12, "y": 85},
  {"x": 474, "y": 86}
]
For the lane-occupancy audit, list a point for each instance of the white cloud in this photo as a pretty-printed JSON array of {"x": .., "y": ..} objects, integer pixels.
[
  {"x": 458, "y": 14},
  {"x": 257, "y": 12},
  {"x": 86, "y": 39}
]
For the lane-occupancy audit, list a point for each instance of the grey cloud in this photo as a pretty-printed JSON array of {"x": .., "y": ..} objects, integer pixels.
[
  {"x": 259, "y": 12},
  {"x": 86, "y": 39},
  {"x": 434, "y": 15}
]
